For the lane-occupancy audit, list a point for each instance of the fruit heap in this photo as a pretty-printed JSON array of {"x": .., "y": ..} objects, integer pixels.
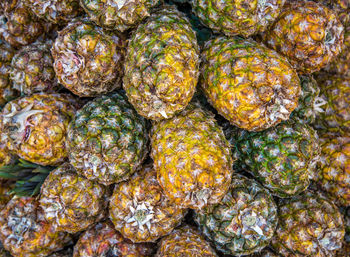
[{"x": 175, "y": 128}]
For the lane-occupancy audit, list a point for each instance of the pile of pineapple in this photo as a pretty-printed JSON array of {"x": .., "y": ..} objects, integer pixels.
[{"x": 197, "y": 128}]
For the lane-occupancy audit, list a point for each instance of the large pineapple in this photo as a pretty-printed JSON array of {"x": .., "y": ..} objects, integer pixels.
[
  {"x": 107, "y": 140},
  {"x": 7, "y": 92},
  {"x": 334, "y": 168},
  {"x": 244, "y": 221},
  {"x": 35, "y": 127},
  {"x": 32, "y": 69},
  {"x": 250, "y": 85},
  {"x": 87, "y": 60},
  {"x": 335, "y": 91},
  {"x": 140, "y": 210},
  {"x": 185, "y": 241},
  {"x": 24, "y": 231},
  {"x": 309, "y": 225},
  {"x": 70, "y": 201},
  {"x": 282, "y": 158},
  {"x": 192, "y": 158},
  {"x": 238, "y": 17},
  {"x": 103, "y": 240},
  {"x": 118, "y": 15},
  {"x": 162, "y": 62},
  {"x": 308, "y": 34}
]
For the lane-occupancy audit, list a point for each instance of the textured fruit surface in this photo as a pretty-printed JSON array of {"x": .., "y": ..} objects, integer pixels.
[
  {"x": 244, "y": 221},
  {"x": 6, "y": 157},
  {"x": 118, "y": 15},
  {"x": 265, "y": 253},
  {"x": 192, "y": 158},
  {"x": 282, "y": 158},
  {"x": 104, "y": 241},
  {"x": 35, "y": 127},
  {"x": 55, "y": 11},
  {"x": 18, "y": 25},
  {"x": 70, "y": 201},
  {"x": 183, "y": 242},
  {"x": 7, "y": 92},
  {"x": 140, "y": 210},
  {"x": 32, "y": 69},
  {"x": 5, "y": 197},
  {"x": 334, "y": 168},
  {"x": 309, "y": 225},
  {"x": 335, "y": 91},
  {"x": 162, "y": 65},
  {"x": 250, "y": 85},
  {"x": 24, "y": 231},
  {"x": 237, "y": 17},
  {"x": 87, "y": 60},
  {"x": 308, "y": 34},
  {"x": 107, "y": 140}
]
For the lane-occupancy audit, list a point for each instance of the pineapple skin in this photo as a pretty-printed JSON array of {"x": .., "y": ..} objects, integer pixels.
[
  {"x": 250, "y": 85},
  {"x": 118, "y": 15},
  {"x": 244, "y": 221},
  {"x": 162, "y": 65},
  {"x": 309, "y": 225},
  {"x": 107, "y": 140},
  {"x": 141, "y": 211},
  {"x": 24, "y": 231},
  {"x": 237, "y": 17},
  {"x": 192, "y": 158},
  {"x": 87, "y": 60},
  {"x": 103, "y": 240},
  {"x": 308, "y": 34},
  {"x": 72, "y": 202},
  {"x": 185, "y": 241},
  {"x": 35, "y": 127}
]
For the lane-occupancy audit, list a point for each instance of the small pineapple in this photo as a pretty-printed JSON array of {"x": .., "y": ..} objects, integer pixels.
[
  {"x": 309, "y": 225},
  {"x": 140, "y": 210},
  {"x": 118, "y": 15},
  {"x": 308, "y": 34},
  {"x": 32, "y": 69},
  {"x": 185, "y": 241},
  {"x": 70, "y": 201},
  {"x": 24, "y": 231},
  {"x": 250, "y": 85},
  {"x": 244, "y": 221},
  {"x": 107, "y": 140},
  {"x": 35, "y": 127},
  {"x": 87, "y": 60},
  {"x": 162, "y": 65},
  {"x": 192, "y": 158},
  {"x": 238, "y": 17},
  {"x": 103, "y": 240}
]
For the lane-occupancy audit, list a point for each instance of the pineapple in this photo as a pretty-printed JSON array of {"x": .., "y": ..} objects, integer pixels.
[
  {"x": 250, "y": 85},
  {"x": 5, "y": 189},
  {"x": 63, "y": 253},
  {"x": 238, "y": 17},
  {"x": 192, "y": 158},
  {"x": 308, "y": 34},
  {"x": 162, "y": 65},
  {"x": 70, "y": 201},
  {"x": 309, "y": 225},
  {"x": 341, "y": 7},
  {"x": 24, "y": 231},
  {"x": 103, "y": 240},
  {"x": 185, "y": 241},
  {"x": 118, "y": 15},
  {"x": 35, "y": 127},
  {"x": 244, "y": 221},
  {"x": 107, "y": 140},
  {"x": 87, "y": 60},
  {"x": 140, "y": 210},
  {"x": 335, "y": 91},
  {"x": 7, "y": 92},
  {"x": 6, "y": 157},
  {"x": 265, "y": 253},
  {"x": 282, "y": 158},
  {"x": 32, "y": 69}
]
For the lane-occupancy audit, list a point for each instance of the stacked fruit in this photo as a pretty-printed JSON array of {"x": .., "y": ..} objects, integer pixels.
[{"x": 202, "y": 128}]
